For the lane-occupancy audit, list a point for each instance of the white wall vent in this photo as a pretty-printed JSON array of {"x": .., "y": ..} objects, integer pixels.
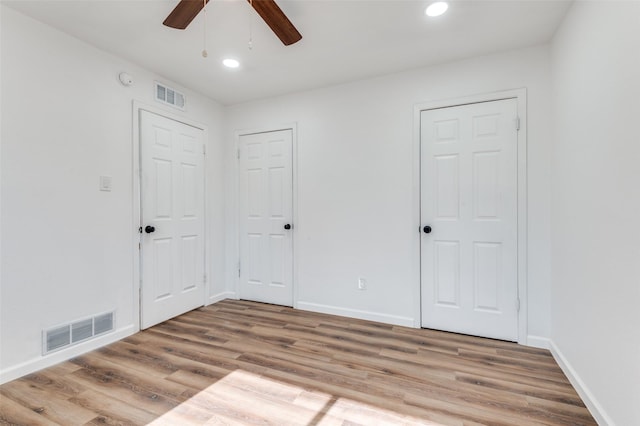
[
  {"x": 60, "y": 337},
  {"x": 169, "y": 96}
]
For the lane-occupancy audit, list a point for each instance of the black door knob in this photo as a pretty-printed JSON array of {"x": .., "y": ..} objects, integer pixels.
[
  {"x": 427, "y": 229},
  {"x": 287, "y": 226},
  {"x": 149, "y": 229}
]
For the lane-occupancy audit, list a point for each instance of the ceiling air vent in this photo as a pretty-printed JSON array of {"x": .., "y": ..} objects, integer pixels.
[
  {"x": 169, "y": 96},
  {"x": 78, "y": 331}
]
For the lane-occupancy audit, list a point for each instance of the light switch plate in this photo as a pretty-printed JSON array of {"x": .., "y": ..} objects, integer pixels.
[
  {"x": 105, "y": 183},
  {"x": 362, "y": 283}
]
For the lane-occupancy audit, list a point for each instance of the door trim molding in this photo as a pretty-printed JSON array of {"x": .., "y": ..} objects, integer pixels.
[
  {"x": 521, "y": 97},
  {"x": 294, "y": 200},
  {"x": 136, "y": 192}
]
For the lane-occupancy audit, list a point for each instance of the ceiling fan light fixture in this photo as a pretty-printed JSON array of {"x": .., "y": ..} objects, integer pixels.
[
  {"x": 437, "y": 8},
  {"x": 230, "y": 63},
  {"x": 269, "y": 11}
]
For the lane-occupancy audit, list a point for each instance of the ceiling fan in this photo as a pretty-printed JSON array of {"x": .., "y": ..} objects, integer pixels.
[{"x": 268, "y": 10}]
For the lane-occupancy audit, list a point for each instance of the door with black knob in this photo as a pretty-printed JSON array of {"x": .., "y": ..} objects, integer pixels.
[
  {"x": 469, "y": 278},
  {"x": 266, "y": 213},
  {"x": 172, "y": 204}
]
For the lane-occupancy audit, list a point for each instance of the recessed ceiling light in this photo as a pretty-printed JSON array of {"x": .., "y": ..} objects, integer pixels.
[
  {"x": 231, "y": 63},
  {"x": 437, "y": 8}
]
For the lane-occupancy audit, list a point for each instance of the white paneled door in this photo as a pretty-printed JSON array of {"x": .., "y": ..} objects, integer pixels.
[
  {"x": 172, "y": 192},
  {"x": 469, "y": 269},
  {"x": 266, "y": 214}
]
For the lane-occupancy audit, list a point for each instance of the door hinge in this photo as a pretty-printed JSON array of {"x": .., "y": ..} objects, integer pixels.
[
  {"x": 238, "y": 153},
  {"x": 204, "y": 149},
  {"x": 204, "y": 278},
  {"x": 238, "y": 269},
  {"x": 518, "y": 305},
  {"x": 517, "y": 123},
  {"x": 139, "y": 246}
]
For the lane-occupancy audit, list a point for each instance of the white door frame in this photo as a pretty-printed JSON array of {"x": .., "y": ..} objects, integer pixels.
[
  {"x": 294, "y": 204},
  {"x": 521, "y": 96},
  {"x": 136, "y": 238}
]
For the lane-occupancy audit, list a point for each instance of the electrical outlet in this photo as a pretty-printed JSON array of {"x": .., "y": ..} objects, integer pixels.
[{"x": 362, "y": 284}]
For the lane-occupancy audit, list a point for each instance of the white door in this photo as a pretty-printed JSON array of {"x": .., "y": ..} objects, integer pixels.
[
  {"x": 172, "y": 176},
  {"x": 266, "y": 210},
  {"x": 469, "y": 219}
]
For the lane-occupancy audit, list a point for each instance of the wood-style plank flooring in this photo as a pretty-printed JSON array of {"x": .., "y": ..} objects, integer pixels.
[{"x": 239, "y": 363}]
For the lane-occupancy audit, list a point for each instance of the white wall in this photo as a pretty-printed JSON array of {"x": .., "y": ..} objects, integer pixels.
[
  {"x": 595, "y": 205},
  {"x": 357, "y": 203},
  {"x": 68, "y": 248}
]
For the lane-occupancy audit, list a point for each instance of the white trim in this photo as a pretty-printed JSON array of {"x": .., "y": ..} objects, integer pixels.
[
  {"x": 355, "y": 313},
  {"x": 136, "y": 201},
  {"x": 595, "y": 408},
  {"x": 416, "y": 224},
  {"x": 221, "y": 296},
  {"x": 294, "y": 205},
  {"x": 136, "y": 219},
  {"x": 265, "y": 129},
  {"x": 521, "y": 96},
  {"x": 2, "y": 338},
  {"x": 39, "y": 363},
  {"x": 538, "y": 342}
]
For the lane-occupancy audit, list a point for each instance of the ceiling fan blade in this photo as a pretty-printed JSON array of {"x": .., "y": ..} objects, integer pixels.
[
  {"x": 276, "y": 20},
  {"x": 184, "y": 13}
]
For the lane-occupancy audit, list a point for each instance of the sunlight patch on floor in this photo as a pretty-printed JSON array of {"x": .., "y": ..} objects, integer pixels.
[{"x": 242, "y": 398}]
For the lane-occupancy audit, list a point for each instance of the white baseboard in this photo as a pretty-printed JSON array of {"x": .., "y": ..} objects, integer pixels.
[
  {"x": 221, "y": 296},
  {"x": 354, "y": 313},
  {"x": 39, "y": 363},
  {"x": 538, "y": 342},
  {"x": 589, "y": 400}
]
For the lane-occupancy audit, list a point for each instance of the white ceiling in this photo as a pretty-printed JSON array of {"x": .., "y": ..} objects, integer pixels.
[{"x": 343, "y": 40}]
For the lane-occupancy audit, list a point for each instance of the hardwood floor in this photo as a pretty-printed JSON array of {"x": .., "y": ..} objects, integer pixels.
[{"x": 238, "y": 363}]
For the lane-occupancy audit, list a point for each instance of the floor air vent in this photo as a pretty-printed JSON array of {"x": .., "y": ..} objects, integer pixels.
[
  {"x": 69, "y": 334},
  {"x": 169, "y": 96}
]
